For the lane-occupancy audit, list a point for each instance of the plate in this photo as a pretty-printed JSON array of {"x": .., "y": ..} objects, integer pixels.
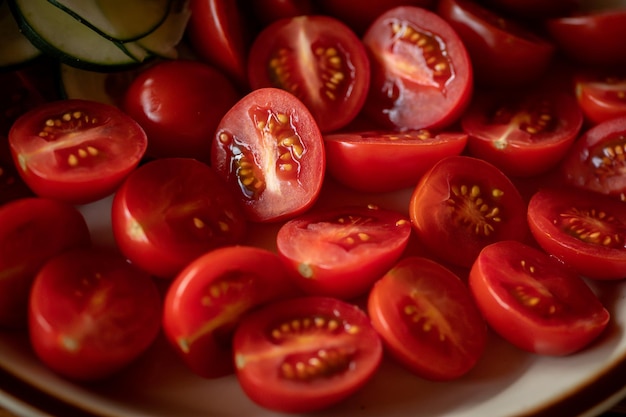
[{"x": 506, "y": 382}]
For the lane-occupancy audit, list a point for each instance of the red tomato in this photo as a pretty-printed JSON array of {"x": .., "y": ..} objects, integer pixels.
[
  {"x": 523, "y": 134},
  {"x": 76, "y": 150},
  {"x": 175, "y": 127},
  {"x": 305, "y": 354},
  {"x": 427, "y": 319},
  {"x": 597, "y": 161},
  {"x": 535, "y": 302},
  {"x": 319, "y": 60},
  {"x": 172, "y": 210},
  {"x": 461, "y": 205},
  {"x": 342, "y": 252},
  {"x": 220, "y": 35},
  {"x": 585, "y": 230},
  {"x": 503, "y": 52},
  {"x": 91, "y": 313},
  {"x": 380, "y": 161},
  {"x": 208, "y": 298},
  {"x": 32, "y": 230},
  {"x": 421, "y": 72},
  {"x": 601, "y": 96},
  {"x": 270, "y": 150}
]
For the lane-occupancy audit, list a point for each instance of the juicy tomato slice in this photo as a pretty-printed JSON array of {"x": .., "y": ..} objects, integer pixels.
[
  {"x": 32, "y": 230},
  {"x": 524, "y": 134},
  {"x": 427, "y": 319},
  {"x": 466, "y": 203},
  {"x": 421, "y": 72},
  {"x": 503, "y": 52},
  {"x": 92, "y": 313},
  {"x": 209, "y": 297},
  {"x": 76, "y": 150},
  {"x": 305, "y": 354},
  {"x": 597, "y": 160},
  {"x": 584, "y": 230},
  {"x": 381, "y": 161},
  {"x": 341, "y": 252},
  {"x": 601, "y": 96},
  {"x": 270, "y": 151},
  {"x": 534, "y": 301},
  {"x": 175, "y": 127},
  {"x": 318, "y": 59},
  {"x": 170, "y": 211}
]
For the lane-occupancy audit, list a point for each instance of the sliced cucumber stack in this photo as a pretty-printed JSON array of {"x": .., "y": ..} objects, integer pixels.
[{"x": 15, "y": 48}]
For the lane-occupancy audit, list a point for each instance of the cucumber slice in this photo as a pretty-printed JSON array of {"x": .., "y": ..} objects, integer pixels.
[
  {"x": 15, "y": 48},
  {"x": 58, "y": 34},
  {"x": 118, "y": 20},
  {"x": 163, "y": 41}
]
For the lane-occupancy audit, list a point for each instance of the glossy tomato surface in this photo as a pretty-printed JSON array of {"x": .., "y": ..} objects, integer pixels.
[
  {"x": 597, "y": 161},
  {"x": 170, "y": 211},
  {"x": 461, "y": 205},
  {"x": 318, "y": 59},
  {"x": 76, "y": 150},
  {"x": 305, "y": 354},
  {"x": 342, "y": 252},
  {"x": 428, "y": 319},
  {"x": 503, "y": 51},
  {"x": 32, "y": 230},
  {"x": 421, "y": 72},
  {"x": 601, "y": 96},
  {"x": 91, "y": 314},
  {"x": 381, "y": 161},
  {"x": 524, "y": 133},
  {"x": 209, "y": 297},
  {"x": 584, "y": 230},
  {"x": 179, "y": 104},
  {"x": 270, "y": 151},
  {"x": 534, "y": 301}
]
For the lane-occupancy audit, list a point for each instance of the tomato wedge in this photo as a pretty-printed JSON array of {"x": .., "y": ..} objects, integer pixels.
[
  {"x": 428, "y": 319},
  {"x": 305, "y": 354},
  {"x": 601, "y": 95},
  {"x": 535, "y": 302}
]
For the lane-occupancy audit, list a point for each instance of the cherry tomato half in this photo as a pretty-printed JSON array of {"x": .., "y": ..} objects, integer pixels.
[
  {"x": 342, "y": 252},
  {"x": 76, "y": 150},
  {"x": 380, "y": 161},
  {"x": 427, "y": 319},
  {"x": 461, "y": 205},
  {"x": 305, "y": 354},
  {"x": 209, "y": 297},
  {"x": 585, "y": 230},
  {"x": 318, "y": 59},
  {"x": 270, "y": 151},
  {"x": 534, "y": 301},
  {"x": 601, "y": 96},
  {"x": 91, "y": 313},
  {"x": 421, "y": 72},
  {"x": 170, "y": 211}
]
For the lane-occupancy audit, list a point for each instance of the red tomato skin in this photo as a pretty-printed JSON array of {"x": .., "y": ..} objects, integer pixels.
[
  {"x": 32, "y": 230},
  {"x": 251, "y": 134},
  {"x": 91, "y": 314},
  {"x": 175, "y": 127},
  {"x": 200, "y": 330},
  {"x": 595, "y": 161},
  {"x": 405, "y": 93},
  {"x": 333, "y": 84},
  {"x": 341, "y": 252},
  {"x": 260, "y": 375},
  {"x": 502, "y": 51},
  {"x": 383, "y": 161},
  {"x": 411, "y": 342},
  {"x": 500, "y": 269},
  {"x": 169, "y": 211},
  {"x": 511, "y": 145},
  {"x": 559, "y": 219},
  {"x": 81, "y": 160},
  {"x": 601, "y": 97}
]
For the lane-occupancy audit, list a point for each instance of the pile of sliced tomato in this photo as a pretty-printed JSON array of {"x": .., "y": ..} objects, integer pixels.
[{"x": 324, "y": 184}]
